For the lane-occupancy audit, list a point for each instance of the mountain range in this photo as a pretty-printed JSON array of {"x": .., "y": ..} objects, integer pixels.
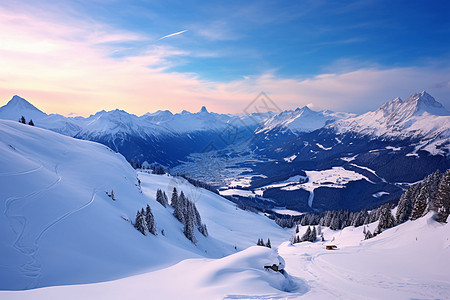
[{"x": 365, "y": 160}]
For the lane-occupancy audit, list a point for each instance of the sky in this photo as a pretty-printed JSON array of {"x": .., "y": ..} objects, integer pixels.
[{"x": 79, "y": 57}]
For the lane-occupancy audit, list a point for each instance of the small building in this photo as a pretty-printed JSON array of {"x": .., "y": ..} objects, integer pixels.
[{"x": 331, "y": 247}]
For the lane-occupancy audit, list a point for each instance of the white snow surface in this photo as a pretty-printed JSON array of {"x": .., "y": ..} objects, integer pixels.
[
  {"x": 59, "y": 227},
  {"x": 404, "y": 262}
]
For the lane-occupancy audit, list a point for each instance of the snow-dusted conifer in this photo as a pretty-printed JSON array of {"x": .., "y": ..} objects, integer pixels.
[
  {"x": 203, "y": 230},
  {"x": 189, "y": 228},
  {"x": 335, "y": 223},
  {"x": 306, "y": 236},
  {"x": 442, "y": 198},
  {"x": 180, "y": 208},
  {"x": 160, "y": 198},
  {"x": 405, "y": 205},
  {"x": 174, "y": 199},
  {"x": 166, "y": 199},
  {"x": 386, "y": 218},
  {"x": 313, "y": 236},
  {"x": 268, "y": 244},
  {"x": 368, "y": 235},
  {"x": 420, "y": 205},
  {"x": 140, "y": 222},
  {"x": 150, "y": 221}
]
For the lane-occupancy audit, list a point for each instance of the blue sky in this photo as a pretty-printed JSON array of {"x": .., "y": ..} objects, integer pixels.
[
  {"x": 289, "y": 42},
  {"x": 294, "y": 38}
]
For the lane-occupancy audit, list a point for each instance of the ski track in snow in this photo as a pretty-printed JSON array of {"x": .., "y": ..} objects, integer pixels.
[
  {"x": 22, "y": 172},
  {"x": 32, "y": 269},
  {"x": 344, "y": 283}
]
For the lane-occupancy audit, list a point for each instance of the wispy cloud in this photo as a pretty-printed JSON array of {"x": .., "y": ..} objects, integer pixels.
[
  {"x": 172, "y": 34},
  {"x": 66, "y": 66}
]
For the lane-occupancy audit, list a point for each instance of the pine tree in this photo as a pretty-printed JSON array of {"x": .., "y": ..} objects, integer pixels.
[
  {"x": 150, "y": 221},
  {"x": 335, "y": 223},
  {"x": 160, "y": 198},
  {"x": 420, "y": 205},
  {"x": 306, "y": 236},
  {"x": 197, "y": 219},
  {"x": 112, "y": 195},
  {"x": 31, "y": 123},
  {"x": 368, "y": 235},
  {"x": 189, "y": 228},
  {"x": 180, "y": 208},
  {"x": 405, "y": 205},
  {"x": 166, "y": 200},
  {"x": 296, "y": 229},
  {"x": 22, "y": 120},
  {"x": 442, "y": 198},
  {"x": 313, "y": 236},
  {"x": 174, "y": 198},
  {"x": 203, "y": 230},
  {"x": 386, "y": 218},
  {"x": 268, "y": 245},
  {"x": 140, "y": 222}
]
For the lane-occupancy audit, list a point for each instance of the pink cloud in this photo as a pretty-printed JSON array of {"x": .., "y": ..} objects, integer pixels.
[{"x": 61, "y": 68}]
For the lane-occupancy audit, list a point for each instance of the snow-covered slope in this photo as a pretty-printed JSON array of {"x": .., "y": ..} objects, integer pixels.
[
  {"x": 408, "y": 261},
  {"x": 301, "y": 120},
  {"x": 419, "y": 116},
  {"x": 59, "y": 226}
]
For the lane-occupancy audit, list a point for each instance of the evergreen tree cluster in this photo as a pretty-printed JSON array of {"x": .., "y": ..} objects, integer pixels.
[
  {"x": 432, "y": 194},
  {"x": 24, "y": 121},
  {"x": 161, "y": 197},
  {"x": 260, "y": 242},
  {"x": 145, "y": 221},
  {"x": 186, "y": 212},
  {"x": 309, "y": 235},
  {"x": 335, "y": 219}
]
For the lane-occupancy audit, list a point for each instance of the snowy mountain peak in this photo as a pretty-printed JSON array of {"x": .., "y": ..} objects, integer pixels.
[
  {"x": 17, "y": 107},
  {"x": 204, "y": 110},
  {"x": 300, "y": 120},
  {"x": 21, "y": 103},
  {"x": 424, "y": 102},
  {"x": 420, "y": 115}
]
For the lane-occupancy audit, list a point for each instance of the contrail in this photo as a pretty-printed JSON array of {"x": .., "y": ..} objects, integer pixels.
[{"x": 173, "y": 34}]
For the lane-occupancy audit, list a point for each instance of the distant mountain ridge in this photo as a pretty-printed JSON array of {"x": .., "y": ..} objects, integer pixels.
[
  {"x": 368, "y": 158},
  {"x": 420, "y": 115}
]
